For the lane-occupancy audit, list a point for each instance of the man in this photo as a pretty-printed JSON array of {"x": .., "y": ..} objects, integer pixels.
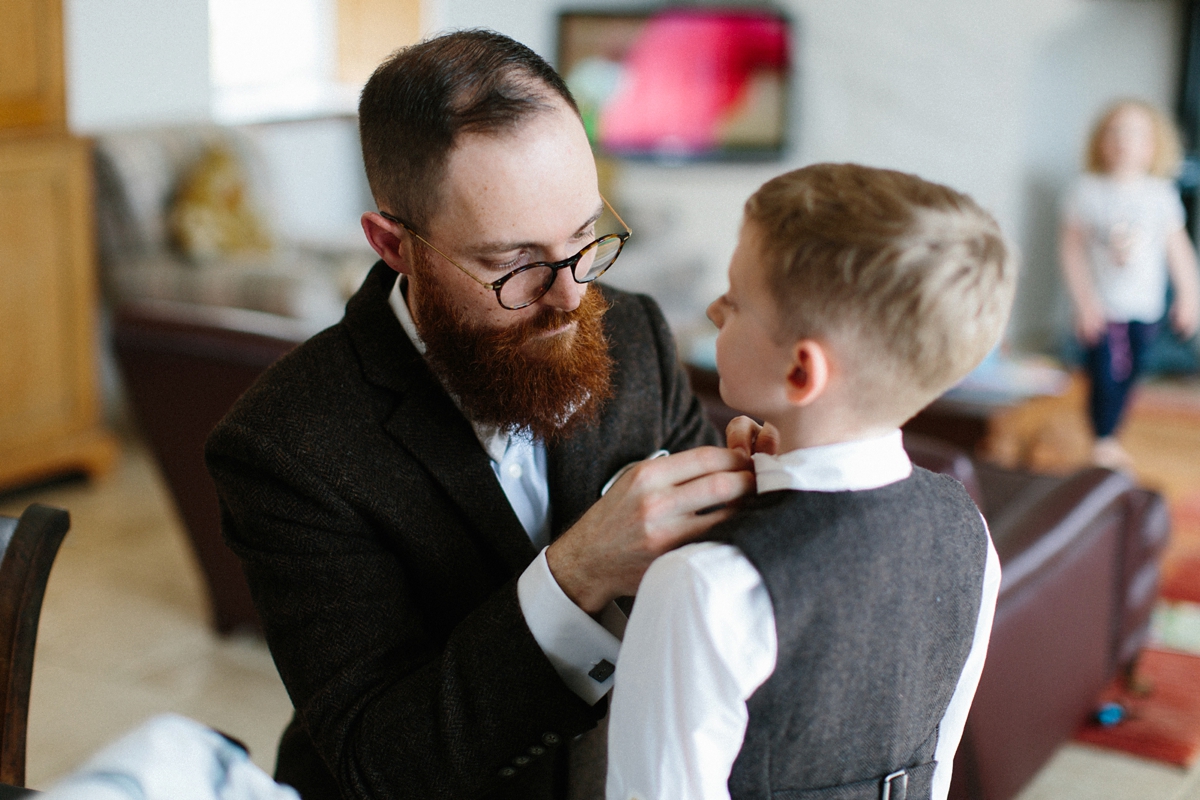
[{"x": 392, "y": 485}]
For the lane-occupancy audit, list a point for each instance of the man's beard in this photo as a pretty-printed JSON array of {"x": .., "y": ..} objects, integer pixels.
[{"x": 509, "y": 378}]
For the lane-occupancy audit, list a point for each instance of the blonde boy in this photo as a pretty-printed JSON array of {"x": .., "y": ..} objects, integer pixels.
[{"x": 829, "y": 646}]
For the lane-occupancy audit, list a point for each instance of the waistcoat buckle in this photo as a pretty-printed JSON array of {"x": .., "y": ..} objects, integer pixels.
[{"x": 895, "y": 786}]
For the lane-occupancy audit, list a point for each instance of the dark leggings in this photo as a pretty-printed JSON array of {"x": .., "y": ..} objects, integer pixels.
[{"x": 1114, "y": 364}]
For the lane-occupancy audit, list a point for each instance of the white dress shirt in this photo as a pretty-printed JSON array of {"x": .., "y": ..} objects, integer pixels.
[
  {"x": 702, "y": 639},
  {"x": 570, "y": 638},
  {"x": 170, "y": 757}
]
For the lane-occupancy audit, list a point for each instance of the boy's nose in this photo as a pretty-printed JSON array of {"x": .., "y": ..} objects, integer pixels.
[{"x": 714, "y": 312}]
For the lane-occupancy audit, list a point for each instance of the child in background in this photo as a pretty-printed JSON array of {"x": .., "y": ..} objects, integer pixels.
[
  {"x": 1122, "y": 237},
  {"x": 833, "y": 639}
]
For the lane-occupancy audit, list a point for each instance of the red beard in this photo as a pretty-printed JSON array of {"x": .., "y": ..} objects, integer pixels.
[{"x": 510, "y": 377}]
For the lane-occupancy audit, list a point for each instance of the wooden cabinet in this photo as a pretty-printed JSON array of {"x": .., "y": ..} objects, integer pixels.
[
  {"x": 49, "y": 410},
  {"x": 31, "y": 64},
  {"x": 369, "y": 31}
]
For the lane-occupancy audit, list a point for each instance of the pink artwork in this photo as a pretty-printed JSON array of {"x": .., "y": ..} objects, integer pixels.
[{"x": 691, "y": 82}]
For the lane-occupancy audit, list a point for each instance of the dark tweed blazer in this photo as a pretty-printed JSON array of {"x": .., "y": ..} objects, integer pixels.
[{"x": 383, "y": 556}]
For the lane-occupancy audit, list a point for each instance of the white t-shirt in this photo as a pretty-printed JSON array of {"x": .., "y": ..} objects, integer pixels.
[{"x": 1127, "y": 225}]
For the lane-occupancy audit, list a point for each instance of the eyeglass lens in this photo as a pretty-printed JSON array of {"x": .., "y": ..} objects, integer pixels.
[{"x": 530, "y": 284}]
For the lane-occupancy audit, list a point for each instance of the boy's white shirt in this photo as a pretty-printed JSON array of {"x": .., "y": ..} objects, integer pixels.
[{"x": 702, "y": 640}]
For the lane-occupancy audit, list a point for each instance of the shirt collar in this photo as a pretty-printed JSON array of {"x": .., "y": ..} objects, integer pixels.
[
  {"x": 840, "y": 467},
  {"x": 399, "y": 303},
  {"x": 493, "y": 438}
]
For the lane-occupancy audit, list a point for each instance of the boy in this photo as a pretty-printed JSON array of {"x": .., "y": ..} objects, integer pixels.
[{"x": 830, "y": 644}]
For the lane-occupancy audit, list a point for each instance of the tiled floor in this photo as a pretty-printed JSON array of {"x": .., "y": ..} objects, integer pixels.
[
  {"x": 123, "y": 631},
  {"x": 1078, "y": 772},
  {"x": 124, "y": 636}
]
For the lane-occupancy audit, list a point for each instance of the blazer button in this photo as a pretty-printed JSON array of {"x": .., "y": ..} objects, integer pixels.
[
  {"x": 521, "y": 761},
  {"x": 550, "y": 739},
  {"x": 507, "y": 772},
  {"x": 537, "y": 750}
]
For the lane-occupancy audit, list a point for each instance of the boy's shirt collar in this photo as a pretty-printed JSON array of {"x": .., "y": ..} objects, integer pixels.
[{"x": 840, "y": 467}]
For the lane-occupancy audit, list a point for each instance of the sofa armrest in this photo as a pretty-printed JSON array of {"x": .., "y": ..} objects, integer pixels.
[
  {"x": 1040, "y": 522},
  {"x": 183, "y": 367},
  {"x": 1141, "y": 570},
  {"x": 1080, "y": 561}
]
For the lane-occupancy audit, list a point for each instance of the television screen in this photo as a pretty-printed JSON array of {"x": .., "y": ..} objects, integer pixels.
[{"x": 679, "y": 83}]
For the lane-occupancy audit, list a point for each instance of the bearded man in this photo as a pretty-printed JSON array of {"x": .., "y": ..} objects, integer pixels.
[{"x": 416, "y": 494}]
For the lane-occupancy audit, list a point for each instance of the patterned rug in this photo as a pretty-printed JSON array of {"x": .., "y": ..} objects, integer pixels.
[{"x": 1163, "y": 723}]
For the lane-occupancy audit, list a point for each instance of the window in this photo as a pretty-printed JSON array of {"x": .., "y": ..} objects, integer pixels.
[{"x": 275, "y": 59}]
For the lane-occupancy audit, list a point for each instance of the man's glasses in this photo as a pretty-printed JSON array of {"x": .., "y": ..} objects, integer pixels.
[{"x": 526, "y": 284}]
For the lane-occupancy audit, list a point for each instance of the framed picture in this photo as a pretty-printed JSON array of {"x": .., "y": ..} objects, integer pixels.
[{"x": 680, "y": 83}]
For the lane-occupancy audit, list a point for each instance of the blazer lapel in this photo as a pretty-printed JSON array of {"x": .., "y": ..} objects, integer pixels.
[
  {"x": 631, "y": 423},
  {"x": 575, "y": 467},
  {"x": 428, "y": 424}
]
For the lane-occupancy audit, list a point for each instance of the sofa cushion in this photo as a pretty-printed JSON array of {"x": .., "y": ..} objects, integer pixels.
[{"x": 137, "y": 177}]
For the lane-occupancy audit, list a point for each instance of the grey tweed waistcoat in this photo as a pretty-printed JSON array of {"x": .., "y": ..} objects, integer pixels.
[{"x": 876, "y": 595}]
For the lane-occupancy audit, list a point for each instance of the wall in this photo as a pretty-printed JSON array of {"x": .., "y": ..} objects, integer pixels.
[
  {"x": 135, "y": 62},
  {"x": 146, "y": 63},
  {"x": 315, "y": 173},
  {"x": 990, "y": 97}
]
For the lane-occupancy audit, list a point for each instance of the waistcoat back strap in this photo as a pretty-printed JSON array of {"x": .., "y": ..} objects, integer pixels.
[{"x": 914, "y": 783}]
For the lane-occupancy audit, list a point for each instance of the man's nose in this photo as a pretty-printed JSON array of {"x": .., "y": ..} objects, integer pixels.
[{"x": 564, "y": 294}]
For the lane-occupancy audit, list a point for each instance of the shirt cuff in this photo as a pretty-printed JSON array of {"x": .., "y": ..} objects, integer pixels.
[{"x": 581, "y": 650}]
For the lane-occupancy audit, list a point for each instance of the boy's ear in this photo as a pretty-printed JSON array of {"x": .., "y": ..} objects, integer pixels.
[
  {"x": 388, "y": 240},
  {"x": 809, "y": 374}
]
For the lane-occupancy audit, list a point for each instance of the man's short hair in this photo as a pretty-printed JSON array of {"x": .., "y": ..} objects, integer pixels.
[
  {"x": 423, "y": 97},
  {"x": 912, "y": 276}
]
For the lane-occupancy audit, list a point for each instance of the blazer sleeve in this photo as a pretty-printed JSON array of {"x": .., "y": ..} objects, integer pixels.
[{"x": 395, "y": 705}]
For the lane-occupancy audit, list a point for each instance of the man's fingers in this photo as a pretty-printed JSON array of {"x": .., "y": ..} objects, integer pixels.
[
  {"x": 682, "y": 467},
  {"x": 694, "y": 527},
  {"x": 709, "y": 490}
]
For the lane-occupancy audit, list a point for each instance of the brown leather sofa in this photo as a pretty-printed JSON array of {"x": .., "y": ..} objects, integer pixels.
[
  {"x": 1080, "y": 553},
  {"x": 183, "y": 368}
]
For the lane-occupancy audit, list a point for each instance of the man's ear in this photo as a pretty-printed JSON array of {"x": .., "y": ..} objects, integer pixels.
[
  {"x": 809, "y": 374},
  {"x": 389, "y": 240}
]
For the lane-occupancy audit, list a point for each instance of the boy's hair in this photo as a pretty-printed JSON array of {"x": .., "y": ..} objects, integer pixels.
[
  {"x": 1167, "y": 150},
  {"x": 909, "y": 281},
  {"x": 423, "y": 97}
]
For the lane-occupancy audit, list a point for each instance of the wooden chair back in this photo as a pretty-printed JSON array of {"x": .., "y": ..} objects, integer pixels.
[{"x": 28, "y": 546}]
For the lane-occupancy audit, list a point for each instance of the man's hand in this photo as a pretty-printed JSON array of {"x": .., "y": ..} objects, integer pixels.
[
  {"x": 650, "y": 510},
  {"x": 747, "y": 436}
]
